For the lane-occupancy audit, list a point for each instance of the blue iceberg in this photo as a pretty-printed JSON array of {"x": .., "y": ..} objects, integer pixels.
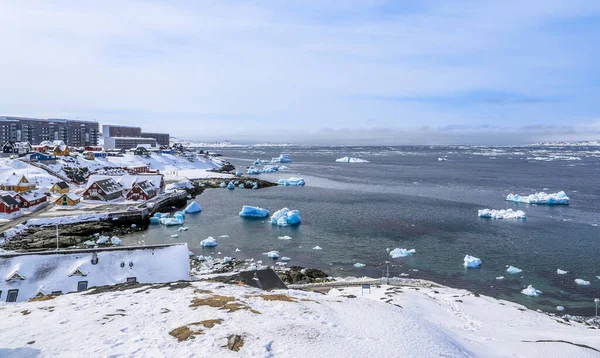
[
  {"x": 253, "y": 170},
  {"x": 283, "y": 158},
  {"x": 254, "y": 212},
  {"x": 291, "y": 182},
  {"x": 559, "y": 198},
  {"x": 286, "y": 217},
  {"x": 230, "y": 186},
  {"x": 471, "y": 262},
  {"x": 208, "y": 242},
  {"x": 194, "y": 207}
]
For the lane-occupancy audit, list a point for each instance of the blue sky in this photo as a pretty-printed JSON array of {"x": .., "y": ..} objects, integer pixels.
[{"x": 326, "y": 72}]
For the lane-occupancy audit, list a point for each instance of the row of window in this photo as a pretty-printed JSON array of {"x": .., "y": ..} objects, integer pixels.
[{"x": 12, "y": 295}]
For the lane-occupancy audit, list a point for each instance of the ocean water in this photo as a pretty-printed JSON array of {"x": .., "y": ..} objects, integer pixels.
[{"x": 406, "y": 198}]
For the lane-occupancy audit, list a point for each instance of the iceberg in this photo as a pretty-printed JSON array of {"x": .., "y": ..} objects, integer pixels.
[
  {"x": 283, "y": 158},
  {"x": 254, "y": 212},
  {"x": 253, "y": 170},
  {"x": 223, "y": 185},
  {"x": 270, "y": 169},
  {"x": 154, "y": 220},
  {"x": 581, "y": 282},
  {"x": 273, "y": 254},
  {"x": 226, "y": 259},
  {"x": 286, "y": 259},
  {"x": 561, "y": 272},
  {"x": 317, "y": 248},
  {"x": 194, "y": 207},
  {"x": 285, "y": 217},
  {"x": 442, "y": 159},
  {"x": 230, "y": 186},
  {"x": 531, "y": 291},
  {"x": 175, "y": 235},
  {"x": 560, "y": 308},
  {"x": 559, "y": 198},
  {"x": 116, "y": 241},
  {"x": 238, "y": 173},
  {"x": 259, "y": 161},
  {"x": 502, "y": 214},
  {"x": 241, "y": 186},
  {"x": 513, "y": 270},
  {"x": 224, "y": 236},
  {"x": 208, "y": 242},
  {"x": 471, "y": 261},
  {"x": 255, "y": 186},
  {"x": 285, "y": 237},
  {"x": 500, "y": 278},
  {"x": 351, "y": 160},
  {"x": 291, "y": 182},
  {"x": 397, "y": 252},
  {"x": 102, "y": 240},
  {"x": 359, "y": 265},
  {"x": 178, "y": 220}
]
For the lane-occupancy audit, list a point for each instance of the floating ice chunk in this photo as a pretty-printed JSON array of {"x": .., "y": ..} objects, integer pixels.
[
  {"x": 500, "y": 278},
  {"x": 397, "y": 252},
  {"x": 259, "y": 162},
  {"x": 598, "y": 277},
  {"x": 194, "y": 207},
  {"x": 560, "y": 308},
  {"x": 102, "y": 240},
  {"x": 513, "y": 270},
  {"x": 237, "y": 250},
  {"x": 270, "y": 169},
  {"x": 285, "y": 237},
  {"x": 171, "y": 221},
  {"x": 116, "y": 241},
  {"x": 223, "y": 185},
  {"x": 133, "y": 226},
  {"x": 285, "y": 217},
  {"x": 208, "y": 242},
  {"x": 561, "y": 272},
  {"x": 442, "y": 159},
  {"x": 285, "y": 258},
  {"x": 531, "y": 291},
  {"x": 254, "y": 212},
  {"x": 226, "y": 259},
  {"x": 241, "y": 186},
  {"x": 502, "y": 214},
  {"x": 155, "y": 220},
  {"x": 273, "y": 254},
  {"x": 230, "y": 186},
  {"x": 283, "y": 158},
  {"x": 183, "y": 229},
  {"x": 255, "y": 186},
  {"x": 201, "y": 258},
  {"x": 471, "y": 261},
  {"x": 253, "y": 170},
  {"x": 86, "y": 243},
  {"x": 359, "y": 265},
  {"x": 559, "y": 198},
  {"x": 581, "y": 282},
  {"x": 291, "y": 182},
  {"x": 224, "y": 236},
  {"x": 238, "y": 173},
  {"x": 351, "y": 160},
  {"x": 317, "y": 248},
  {"x": 174, "y": 235}
]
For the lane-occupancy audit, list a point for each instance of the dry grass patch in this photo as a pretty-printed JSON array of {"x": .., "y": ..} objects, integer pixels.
[
  {"x": 209, "y": 323},
  {"x": 42, "y": 298},
  {"x": 226, "y": 303},
  {"x": 275, "y": 297},
  {"x": 201, "y": 291},
  {"x": 25, "y": 312},
  {"x": 184, "y": 333}
]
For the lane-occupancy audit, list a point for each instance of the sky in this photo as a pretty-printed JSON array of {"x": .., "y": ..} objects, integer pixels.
[{"x": 310, "y": 72}]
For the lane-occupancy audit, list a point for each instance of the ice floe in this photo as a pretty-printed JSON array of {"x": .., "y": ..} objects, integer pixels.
[
  {"x": 291, "y": 181},
  {"x": 559, "y": 198},
  {"x": 208, "y": 242},
  {"x": 561, "y": 272},
  {"x": 560, "y": 308},
  {"x": 286, "y": 259},
  {"x": 285, "y": 217},
  {"x": 283, "y": 158},
  {"x": 531, "y": 291},
  {"x": 351, "y": 160},
  {"x": 502, "y": 214},
  {"x": 500, "y": 278},
  {"x": 582, "y": 282},
  {"x": 513, "y": 270},
  {"x": 194, "y": 207},
  {"x": 359, "y": 265},
  {"x": 471, "y": 261},
  {"x": 317, "y": 248},
  {"x": 397, "y": 252},
  {"x": 254, "y": 212},
  {"x": 182, "y": 229},
  {"x": 273, "y": 254},
  {"x": 175, "y": 235},
  {"x": 285, "y": 237}
]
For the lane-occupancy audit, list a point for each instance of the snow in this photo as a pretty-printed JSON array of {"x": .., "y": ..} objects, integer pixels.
[
  {"x": 513, "y": 270},
  {"x": 208, "y": 242},
  {"x": 502, "y": 214},
  {"x": 351, "y": 160},
  {"x": 182, "y": 185},
  {"x": 559, "y": 198},
  {"x": 432, "y": 323},
  {"x": 273, "y": 254},
  {"x": 66, "y": 220},
  {"x": 359, "y": 265},
  {"x": 285, "y": 217},
  {"x": 193, "y": 207},
  {"x": 531, "y": 291},
  {"x": 283, "y": 158},
  {"x": 254, "y": 212},
  {"x": 561, "y": 272},
  {"x": 582, "y": 282},
  {"x": 317, "y": 248},
  {"x": 291, "y": 181},
  {"x": 398, "y": 252},
  {"x": 471, "y": 262}
]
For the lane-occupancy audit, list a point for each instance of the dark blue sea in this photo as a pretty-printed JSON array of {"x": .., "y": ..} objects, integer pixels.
[{"x": 405, "y": 197}]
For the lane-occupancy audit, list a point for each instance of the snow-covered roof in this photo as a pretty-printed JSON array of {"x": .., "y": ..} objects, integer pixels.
[
  {"x": 31, "y": 196},
  {"x": 62, "y": 270},
  {"x": 8, "y": 200},
  {"x": 108, "y": 185},
  {"x": 128, "y": 180},
  {"x": 12, "y": 180},
  {"x": 62, "y": 184},
  {"x": 72, "y": 196},
  {"x": 146, "y": 186}
]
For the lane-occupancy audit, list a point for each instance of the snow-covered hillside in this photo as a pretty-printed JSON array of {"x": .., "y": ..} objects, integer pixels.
[
  {"x": 40, "y": 177},
  {"x": 196, "y": 320}
]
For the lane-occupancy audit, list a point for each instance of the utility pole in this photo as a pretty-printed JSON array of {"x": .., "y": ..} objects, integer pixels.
[{"x": 56, "y": 237}]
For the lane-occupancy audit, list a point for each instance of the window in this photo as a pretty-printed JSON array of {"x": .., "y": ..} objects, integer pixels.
[
  {"x": 12, "y": 295},
  {"x": 131, "y": 280},
  {"x": 82, "y": 286},
  {"x": 56, "y": 293}
]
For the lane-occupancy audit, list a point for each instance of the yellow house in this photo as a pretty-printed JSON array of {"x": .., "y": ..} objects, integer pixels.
[
  {"x": 61, "y": 150},
  {"x": 60, "y": 188},
  {"x": 16, "y": 183},
  {"x": 68, "y": 199}
]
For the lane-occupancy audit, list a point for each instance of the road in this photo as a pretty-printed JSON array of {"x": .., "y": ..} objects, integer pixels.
[{"x": 22, "y": 219}]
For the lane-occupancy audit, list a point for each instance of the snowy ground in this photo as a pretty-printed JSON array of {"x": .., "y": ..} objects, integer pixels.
[
  {"x": 388, "y": 322},
  {"x": 40, "y": 177}
]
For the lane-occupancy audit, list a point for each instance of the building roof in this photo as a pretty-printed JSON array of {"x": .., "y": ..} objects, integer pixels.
[
  {"x": 108, "y": 185},
  {"x": 62, "y": 184},
  {"x": 31, "y": 196},
  {"x": 8, "y": 200},
  {"x": 128, "y": 180},
  {"x": 13, "y": 180},
  {"x": 146, "y": 186},
  {"x": 71, "y": 196}
]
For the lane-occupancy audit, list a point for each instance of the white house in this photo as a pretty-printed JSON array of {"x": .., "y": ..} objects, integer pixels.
[{"x": 26, "y": 275}]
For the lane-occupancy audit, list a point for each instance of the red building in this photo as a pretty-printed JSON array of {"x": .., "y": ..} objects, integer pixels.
[
  {"x": 8, "y": 204},
  {"x": 105, "y": 190},
  {"x": 29, "y": 199},
  {"x": 136, "y": 169},
  {"x": 142, "y": 190}
]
